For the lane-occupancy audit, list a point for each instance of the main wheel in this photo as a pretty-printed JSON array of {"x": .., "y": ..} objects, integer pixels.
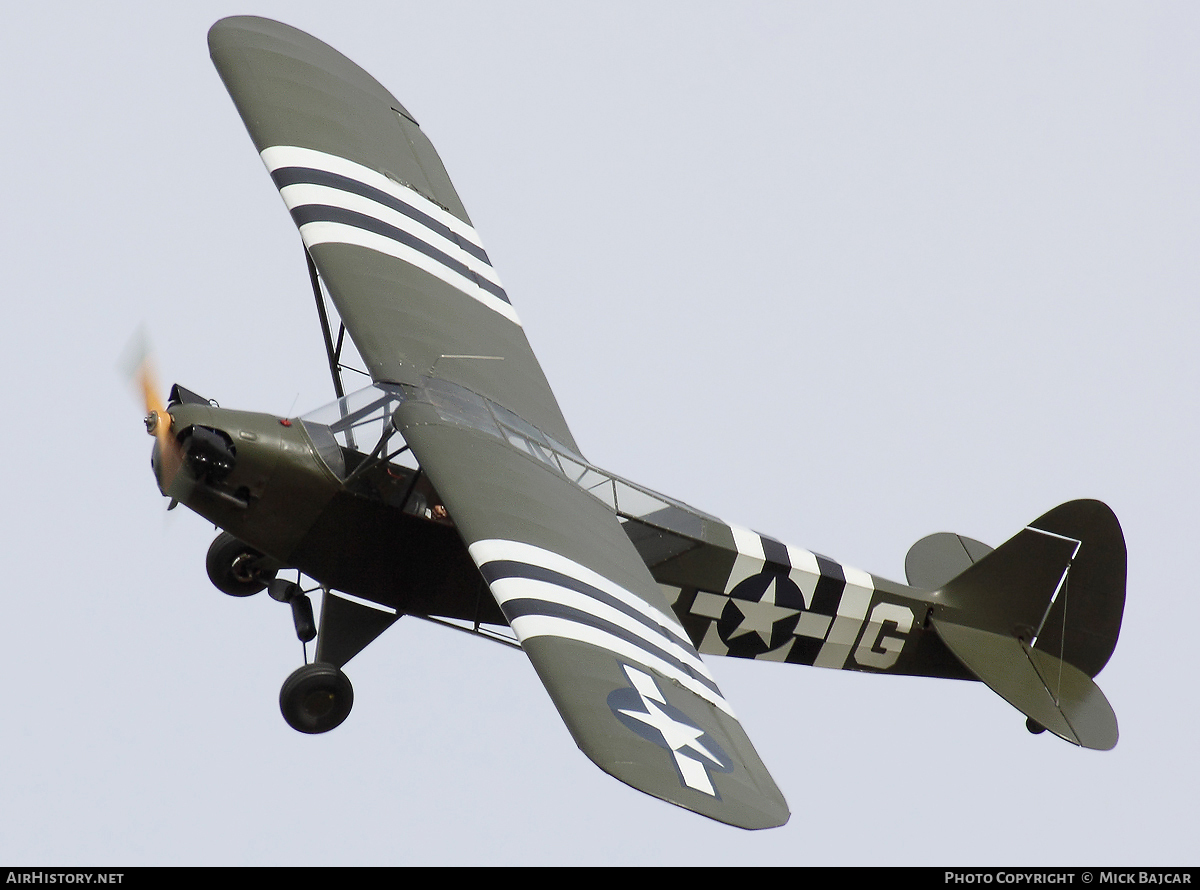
[
  {"x": 316, "y": 698},
  {"x": 236, "y": 568}
]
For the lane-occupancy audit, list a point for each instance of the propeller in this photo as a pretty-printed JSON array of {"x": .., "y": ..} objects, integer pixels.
[
  {"x": 140, "y": 369},
  {"x": 158, "y": 424}
]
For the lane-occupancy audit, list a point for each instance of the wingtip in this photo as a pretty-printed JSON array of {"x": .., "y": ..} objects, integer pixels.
[{"x": 232, "y": 36}]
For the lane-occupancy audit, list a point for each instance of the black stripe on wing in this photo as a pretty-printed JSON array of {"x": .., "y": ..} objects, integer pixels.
[
  {"x": 507, "y": 568},
  {"x": 310, "y": 213},
  {"x": 285, "y": 176},
  {"x": 519, "y": 607}
]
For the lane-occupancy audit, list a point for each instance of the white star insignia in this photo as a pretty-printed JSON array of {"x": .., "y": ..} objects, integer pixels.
[
  {"x": 680, "y": 737},
  {"x": 760, "y": 617}
]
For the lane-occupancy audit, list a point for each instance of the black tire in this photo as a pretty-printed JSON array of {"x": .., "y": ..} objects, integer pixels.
[
  {"x": 236, "y": 568},
  {"x": 316, "y": 698}
]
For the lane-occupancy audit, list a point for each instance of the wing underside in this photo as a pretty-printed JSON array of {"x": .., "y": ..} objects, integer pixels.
[
  {"x": 380, "y": 218},
  {"x": 619, "y": 667}
]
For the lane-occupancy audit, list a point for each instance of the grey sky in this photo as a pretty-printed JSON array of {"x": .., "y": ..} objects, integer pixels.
[{"x": 847, "y": 274}]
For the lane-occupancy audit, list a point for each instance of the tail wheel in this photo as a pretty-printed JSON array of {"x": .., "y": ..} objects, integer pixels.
[
  {"x": 316, "y": 698},
  {"x": 236, "y": 568}
]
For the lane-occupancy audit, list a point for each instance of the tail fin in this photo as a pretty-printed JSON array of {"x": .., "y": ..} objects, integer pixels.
[
  {"x": 1038, "y": 617},
  {"x": 1084, "y": 622}
]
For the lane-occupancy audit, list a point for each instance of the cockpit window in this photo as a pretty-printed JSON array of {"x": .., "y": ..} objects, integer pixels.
[
  {"x": 327, "y": 447},
  {"x": 346, "y": 432},
  {"x": 355, "y": 423}
]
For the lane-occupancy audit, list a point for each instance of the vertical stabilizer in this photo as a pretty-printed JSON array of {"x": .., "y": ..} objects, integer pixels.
[{"x": 1038, "y": 617}]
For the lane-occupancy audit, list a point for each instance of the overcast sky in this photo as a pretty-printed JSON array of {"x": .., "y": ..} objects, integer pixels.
[{"x": 847, "y": 274}]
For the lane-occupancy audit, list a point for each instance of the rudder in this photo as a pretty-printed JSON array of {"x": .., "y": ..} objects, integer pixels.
[{"x": 1038, "y": 617}]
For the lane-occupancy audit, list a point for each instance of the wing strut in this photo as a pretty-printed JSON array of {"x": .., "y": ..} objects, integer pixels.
[{"x": 332, "y": 353}]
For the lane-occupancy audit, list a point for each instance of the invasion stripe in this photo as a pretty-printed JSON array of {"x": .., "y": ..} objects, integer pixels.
[
  {"x": 299, "y": 194},
  {"x": 311, "y": 213},
  {"x": 502, "y": 569},
  {"x": 519, "y": 571},
  {"x": 286, "y": 176},
  {"x": 303, "y": 171},
  {"x": 280, "y": 156},
  {"x": 524, "y": 607},
  {"x": 497, "y": 550},
  {"x": 324, "y": 232},
  {"x": 554, "y": 597},
  {"x": 531, "y": 626},
  {"x": 775, "y": 552}
]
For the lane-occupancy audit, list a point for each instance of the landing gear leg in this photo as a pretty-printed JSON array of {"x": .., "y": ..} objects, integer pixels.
[{"x": 318, "y": 697}]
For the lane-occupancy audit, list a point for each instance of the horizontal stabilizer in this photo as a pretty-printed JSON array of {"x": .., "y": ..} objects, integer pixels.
[
  {"x": 936, "y": 559},
  {"x": 1046, "y": 689}
]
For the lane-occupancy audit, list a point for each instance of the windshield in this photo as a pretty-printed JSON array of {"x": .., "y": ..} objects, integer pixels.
[{"x": 357, "y": 423}]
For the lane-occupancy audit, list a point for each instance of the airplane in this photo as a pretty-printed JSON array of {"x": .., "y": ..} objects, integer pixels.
[{"x": 451, "y": 488}]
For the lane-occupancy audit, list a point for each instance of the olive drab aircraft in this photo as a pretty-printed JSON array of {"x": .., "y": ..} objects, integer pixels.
[{"x": 451, "y": 489}]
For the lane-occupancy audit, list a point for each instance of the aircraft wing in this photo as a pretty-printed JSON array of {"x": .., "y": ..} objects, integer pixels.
[
  {"x": 380, "y": 218},
  {"x": 425, "y": 309},
  {"x": 626, "y": 679}
]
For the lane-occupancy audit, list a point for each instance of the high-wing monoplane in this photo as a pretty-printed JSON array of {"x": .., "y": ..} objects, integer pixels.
[{"x": 451, "y": 489}]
